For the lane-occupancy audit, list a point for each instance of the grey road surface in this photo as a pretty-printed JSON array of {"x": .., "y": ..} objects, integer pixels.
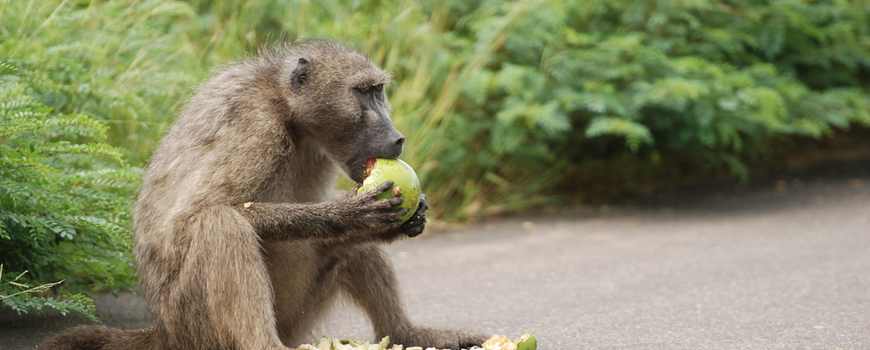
[{"x": 784, "y": 267}]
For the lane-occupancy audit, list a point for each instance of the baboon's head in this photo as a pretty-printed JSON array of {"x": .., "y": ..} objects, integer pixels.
[{"x": 338, "y": 97}]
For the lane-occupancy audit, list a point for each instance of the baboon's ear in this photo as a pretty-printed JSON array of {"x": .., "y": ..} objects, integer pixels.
[{"x": 299, "y": 76}]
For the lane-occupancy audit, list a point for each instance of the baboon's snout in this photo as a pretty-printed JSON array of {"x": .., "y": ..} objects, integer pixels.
[
  {"x": 397, "y": 144},
  {"x": 400, "y": 141}
]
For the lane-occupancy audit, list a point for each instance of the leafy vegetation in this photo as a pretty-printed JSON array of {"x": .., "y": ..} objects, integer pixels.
[
  {"x": 128, "y": 63},
  {"x": 602, "y": 89},
  {"x": 64, "y": 198},
  {"x": 507, "y": 104}
]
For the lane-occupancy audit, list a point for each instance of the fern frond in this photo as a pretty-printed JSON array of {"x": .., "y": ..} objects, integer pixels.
[
  {"x": 6, "y": 68},
  {"x": 635, "y": 134},
  {"x": 95, "y": 149}
]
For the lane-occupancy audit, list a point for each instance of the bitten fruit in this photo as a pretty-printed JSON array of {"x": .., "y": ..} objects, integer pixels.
[{"x": 405, "y": 182}]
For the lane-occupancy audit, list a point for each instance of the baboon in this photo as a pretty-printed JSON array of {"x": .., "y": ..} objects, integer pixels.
[{"x": 239, "y": 238}]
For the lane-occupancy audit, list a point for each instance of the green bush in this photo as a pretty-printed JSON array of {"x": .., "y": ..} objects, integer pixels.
[
  {"x": 672, "y": 87},
  {"x": 64, "y": 202}
]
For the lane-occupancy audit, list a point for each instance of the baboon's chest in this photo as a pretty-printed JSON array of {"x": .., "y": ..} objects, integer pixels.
[{"x": 296, "y": 182}]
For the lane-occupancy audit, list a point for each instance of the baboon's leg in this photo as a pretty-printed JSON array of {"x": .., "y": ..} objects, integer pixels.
[
  {"x": 303, "y": 279},
  {"x": 369, "y": 278},
  {"x": 224, "y": 293}
]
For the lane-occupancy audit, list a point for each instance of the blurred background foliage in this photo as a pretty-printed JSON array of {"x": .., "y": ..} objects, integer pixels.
[{"x": 507, "y": 105}]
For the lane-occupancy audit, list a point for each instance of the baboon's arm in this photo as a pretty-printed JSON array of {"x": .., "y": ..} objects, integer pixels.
[{"x": 333, "y": 220}]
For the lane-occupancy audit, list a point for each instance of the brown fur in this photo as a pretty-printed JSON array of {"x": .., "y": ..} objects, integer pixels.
[{"x": 238, "y": 240}]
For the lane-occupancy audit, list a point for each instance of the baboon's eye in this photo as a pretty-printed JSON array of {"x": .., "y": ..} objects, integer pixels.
[{"x": 367, "y": 89}]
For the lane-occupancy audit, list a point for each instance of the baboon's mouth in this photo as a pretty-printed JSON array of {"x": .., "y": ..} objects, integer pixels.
[{"x": 370, "y": 165}]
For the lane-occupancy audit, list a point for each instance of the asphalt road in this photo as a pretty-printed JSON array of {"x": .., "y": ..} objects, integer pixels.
[{"x": 783, "y": 267}]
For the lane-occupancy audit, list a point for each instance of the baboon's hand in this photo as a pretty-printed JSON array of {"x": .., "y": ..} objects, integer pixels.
[
  {"x": 367, "y": 213},
  {"x": 417, "y": 223}
]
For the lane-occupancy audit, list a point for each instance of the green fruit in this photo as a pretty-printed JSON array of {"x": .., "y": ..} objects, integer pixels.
[
  {"x": 529, "y": 343},
  {"x": 405, "y": 183}
]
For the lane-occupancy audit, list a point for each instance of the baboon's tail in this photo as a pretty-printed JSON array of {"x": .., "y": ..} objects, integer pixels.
[{"x": 99, "y": 338}]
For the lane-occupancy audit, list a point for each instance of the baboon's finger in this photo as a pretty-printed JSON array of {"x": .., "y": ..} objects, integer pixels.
[
  {"x": 396, "y": 214},
  {"x": 423, "y": 205},
  {"x": 372, "y": 193},
  {"x": 390, "y": 202},
  {"x": 414, "y": 231},
  {"x": 415, "y": 220}
]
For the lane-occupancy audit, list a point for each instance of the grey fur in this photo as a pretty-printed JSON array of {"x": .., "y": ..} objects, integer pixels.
[{"x": 238, "y": 240}]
